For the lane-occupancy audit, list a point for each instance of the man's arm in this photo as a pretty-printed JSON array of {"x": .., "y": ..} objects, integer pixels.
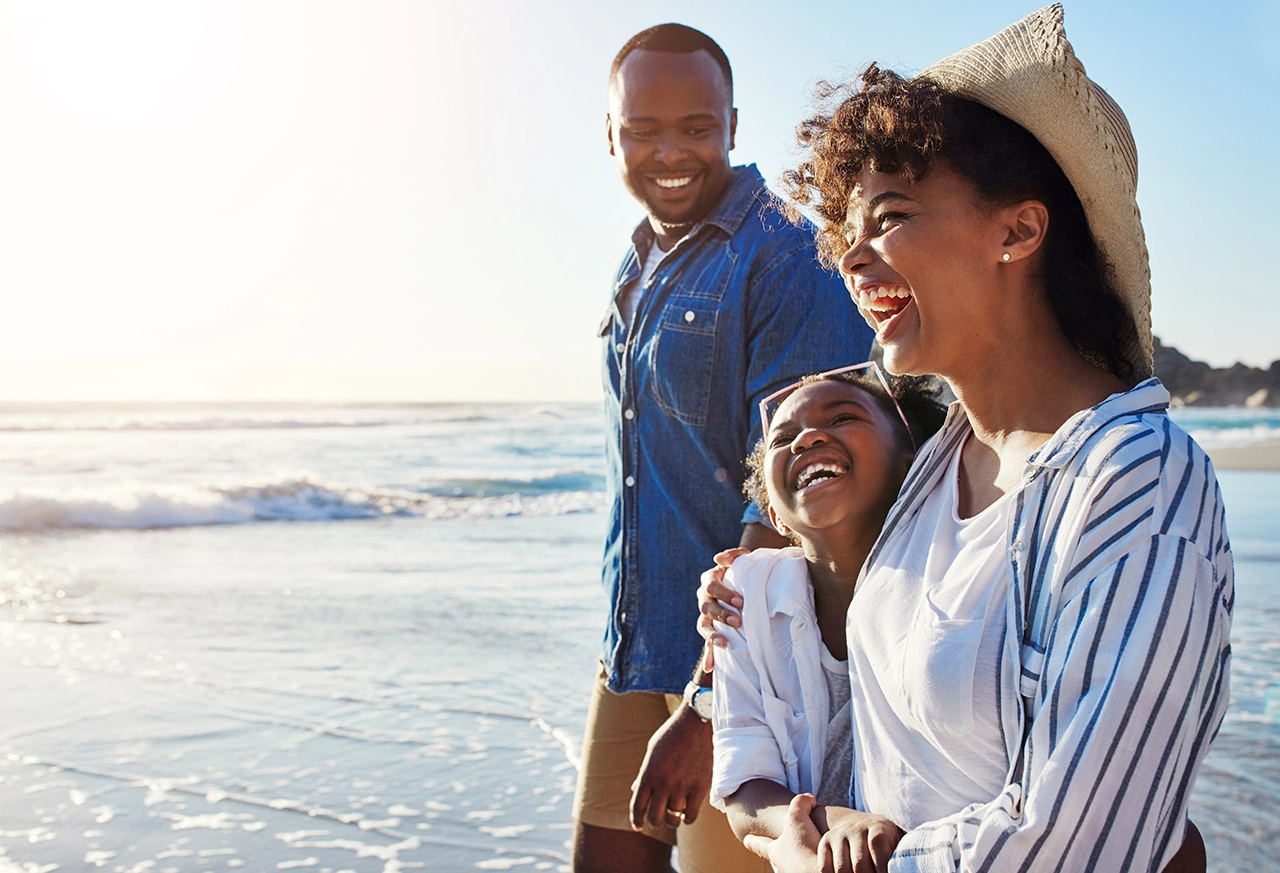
[
  {"x": 761, "y": 536},
  {"x": 676, "y": 773}
]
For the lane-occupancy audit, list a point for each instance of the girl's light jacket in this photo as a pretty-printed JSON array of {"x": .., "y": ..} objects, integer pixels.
[{"x": 771, "y": 700}]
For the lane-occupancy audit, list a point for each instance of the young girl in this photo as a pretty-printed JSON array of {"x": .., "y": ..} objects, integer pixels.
[{"x": 836, "y": 449}]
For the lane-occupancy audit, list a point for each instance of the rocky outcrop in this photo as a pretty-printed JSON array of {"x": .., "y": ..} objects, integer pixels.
[{"x": 1195, "y": 383}]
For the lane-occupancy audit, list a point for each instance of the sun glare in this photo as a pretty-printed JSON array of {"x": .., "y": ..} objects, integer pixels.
[{"x": 123, "y": 59}]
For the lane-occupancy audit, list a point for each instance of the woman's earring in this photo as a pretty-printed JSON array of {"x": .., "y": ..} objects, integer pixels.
[
  {"x": 782, "y": 529},
  {"x": 1005, "y": 257}
]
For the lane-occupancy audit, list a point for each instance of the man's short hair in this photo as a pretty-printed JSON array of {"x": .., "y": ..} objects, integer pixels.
[{"x": 677, "y": 39}]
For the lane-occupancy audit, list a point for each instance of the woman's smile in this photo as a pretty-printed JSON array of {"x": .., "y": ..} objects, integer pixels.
[
  {"x": 882, "y": 300},
  {"x": 882, "y": 304},
  {"x": 922, "y": 239}
]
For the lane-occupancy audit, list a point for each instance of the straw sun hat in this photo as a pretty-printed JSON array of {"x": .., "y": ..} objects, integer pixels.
[{"x": 1029, "y": 74}]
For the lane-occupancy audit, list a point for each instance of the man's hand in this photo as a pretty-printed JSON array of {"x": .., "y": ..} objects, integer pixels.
[
  {"x": 676, "y": 773},
  {"x": 715, "y": 600},
  {"x": 718, "y": 602},
  {"x": 855, "y": 842}
]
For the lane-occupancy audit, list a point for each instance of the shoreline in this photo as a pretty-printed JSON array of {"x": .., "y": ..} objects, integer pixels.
[{"x": 1261, "y": 456}]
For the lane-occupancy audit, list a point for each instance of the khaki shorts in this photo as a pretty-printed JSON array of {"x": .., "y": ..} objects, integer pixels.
[{"x": 613, "y": 747}]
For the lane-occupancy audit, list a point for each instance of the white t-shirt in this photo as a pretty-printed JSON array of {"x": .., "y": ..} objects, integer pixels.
[
  {"x": 631, "y": 296},
  {"x": 837, "y": 761},
  {"x": 927, "y": 630}
]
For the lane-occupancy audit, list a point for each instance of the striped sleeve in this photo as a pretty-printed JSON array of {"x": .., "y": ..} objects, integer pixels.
[{"x": 1130, "y": 653}]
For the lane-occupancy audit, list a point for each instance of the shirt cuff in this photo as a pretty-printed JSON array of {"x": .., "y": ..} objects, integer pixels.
[
  {"x": 739, "y": 758},
  {"x": 926, "y": 850}
]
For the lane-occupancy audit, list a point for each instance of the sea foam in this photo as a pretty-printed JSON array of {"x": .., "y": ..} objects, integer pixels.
[
  {"x": 293, "y": 497},
  {"x": 1232, "y": 437}
]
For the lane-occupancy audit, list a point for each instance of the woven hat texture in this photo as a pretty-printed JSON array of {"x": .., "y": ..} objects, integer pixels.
[{"x": 1029, "y": 73}]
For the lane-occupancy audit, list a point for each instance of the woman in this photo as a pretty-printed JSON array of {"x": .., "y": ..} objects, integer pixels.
[{"x": 1038, "y": 642}]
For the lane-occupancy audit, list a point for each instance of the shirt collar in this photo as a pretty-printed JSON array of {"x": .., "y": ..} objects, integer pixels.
[
  {"x": 789, "y": 591},
  {"x": 1145, "y": 397}
]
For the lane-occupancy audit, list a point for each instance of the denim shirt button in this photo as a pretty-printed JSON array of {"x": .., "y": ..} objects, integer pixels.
[
  {"x": 630, "y": 480},
  {"x": 628, "y": 414},
  {"x": 688, "y": 315},
  {"x": 623, "y": 618},
  {"x": 619, "y": 347}
]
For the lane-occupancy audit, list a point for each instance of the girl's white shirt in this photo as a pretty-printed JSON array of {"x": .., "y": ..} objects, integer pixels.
[{"x": 770, "y": 712}]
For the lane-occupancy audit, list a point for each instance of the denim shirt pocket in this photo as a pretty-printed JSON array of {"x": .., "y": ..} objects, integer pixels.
[{"x": 682, "y": 358}]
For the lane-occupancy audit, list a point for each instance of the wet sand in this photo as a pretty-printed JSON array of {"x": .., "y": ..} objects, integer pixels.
[{"x": 1263, "y": 456}]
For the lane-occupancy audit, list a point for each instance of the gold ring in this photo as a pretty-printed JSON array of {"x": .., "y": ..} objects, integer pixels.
[{"x": 678, "y": 813}]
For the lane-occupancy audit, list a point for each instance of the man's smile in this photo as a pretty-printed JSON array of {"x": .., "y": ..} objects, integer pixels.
[{"x": 672, "y": 182}]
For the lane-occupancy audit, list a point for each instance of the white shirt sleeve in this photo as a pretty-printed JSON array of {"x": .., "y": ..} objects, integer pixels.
[{"x": 746, "y": 747}]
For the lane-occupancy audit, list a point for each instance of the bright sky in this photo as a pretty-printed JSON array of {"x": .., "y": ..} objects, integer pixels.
[{"x": 414, "y": 201}]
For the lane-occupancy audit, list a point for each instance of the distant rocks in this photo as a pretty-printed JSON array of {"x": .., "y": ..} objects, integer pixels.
[{"x": 1195, "y": 383}]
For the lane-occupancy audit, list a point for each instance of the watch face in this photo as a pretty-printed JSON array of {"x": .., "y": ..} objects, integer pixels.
[{"x": 702, "y": 704}]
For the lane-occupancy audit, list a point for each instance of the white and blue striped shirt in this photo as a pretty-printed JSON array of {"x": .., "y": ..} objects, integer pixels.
[{"x": 1117, "y": 650}]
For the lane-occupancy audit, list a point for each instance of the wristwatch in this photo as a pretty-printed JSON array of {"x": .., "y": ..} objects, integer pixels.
[{"x": 698, "y": 698}]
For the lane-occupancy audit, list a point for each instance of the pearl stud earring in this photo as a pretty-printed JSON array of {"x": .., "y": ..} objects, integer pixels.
[{"x": 1005, "y": 257}]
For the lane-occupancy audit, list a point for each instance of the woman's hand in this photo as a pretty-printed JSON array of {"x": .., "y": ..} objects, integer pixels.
[
  {"x": 796, "y": 848},
  {"x": 855, "y": 842},
  {"x": 717, "y": 602}
]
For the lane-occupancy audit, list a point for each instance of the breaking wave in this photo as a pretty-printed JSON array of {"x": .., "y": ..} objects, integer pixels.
[
  {"x": 1213, "y": 438},
  {"x": 195, "y": 423},
  {"x": 299, "y": 497}
]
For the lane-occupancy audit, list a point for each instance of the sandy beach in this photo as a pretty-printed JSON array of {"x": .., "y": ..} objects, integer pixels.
[{"x": 1262, "y": 456}]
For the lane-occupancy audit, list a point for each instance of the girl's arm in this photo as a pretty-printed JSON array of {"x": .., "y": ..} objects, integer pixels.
[{"x": 759, "y": 809}]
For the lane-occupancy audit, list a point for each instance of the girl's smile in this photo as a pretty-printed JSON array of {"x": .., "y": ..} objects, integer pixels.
[{"x": 832, "y": 457}]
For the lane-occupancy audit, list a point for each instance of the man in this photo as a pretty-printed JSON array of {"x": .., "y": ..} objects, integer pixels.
[{"x": 718, "y": 303}]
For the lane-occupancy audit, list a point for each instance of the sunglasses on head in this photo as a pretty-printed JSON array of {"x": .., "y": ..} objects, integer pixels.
[{"x": 769, "y": 406}]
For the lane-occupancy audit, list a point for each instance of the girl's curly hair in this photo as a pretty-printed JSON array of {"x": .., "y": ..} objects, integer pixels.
[
  {"x": 894, "y": 125},
  {"x": 916, "y": 395}
]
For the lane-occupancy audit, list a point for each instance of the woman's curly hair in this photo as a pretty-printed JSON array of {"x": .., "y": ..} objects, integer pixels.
[
  {"x": 916, "y": 395},
  {"x": 893, "y": 125}
]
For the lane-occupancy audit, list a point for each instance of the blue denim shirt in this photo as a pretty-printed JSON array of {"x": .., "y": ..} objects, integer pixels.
[{"x": 739, "y": 308}]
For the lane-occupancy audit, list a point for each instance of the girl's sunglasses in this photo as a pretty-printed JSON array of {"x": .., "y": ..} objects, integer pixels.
[{"x": 769, "y": 406}]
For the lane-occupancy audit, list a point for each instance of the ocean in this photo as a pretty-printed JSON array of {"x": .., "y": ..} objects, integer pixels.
[{"x": 362, "y": 637}]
